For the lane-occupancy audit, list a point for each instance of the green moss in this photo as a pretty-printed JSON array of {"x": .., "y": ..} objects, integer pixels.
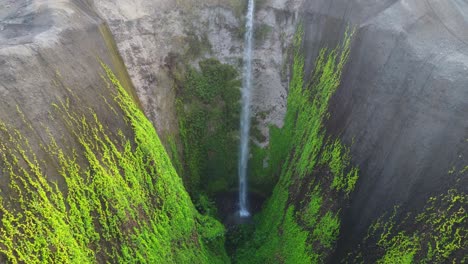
[
  {"x": 294, "y": 247},
  {"x": 205, "y": 205},
  {"x": 338, "y": 159},
  {"x": 260, "y": 179},
  {"x": 400, "y": 249},
  {"x": 438, "y": 234},
  {"x": 208, "y": 113},
  {"x": 327, "y": 230},
  {"x": 312, "y": 210},
  {"x": 124, "y": 204},
  {"x": 300, "y": 156}
]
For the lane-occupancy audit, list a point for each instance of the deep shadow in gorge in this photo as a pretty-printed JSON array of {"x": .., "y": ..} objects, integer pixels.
[{"x": 228, "y": 207}]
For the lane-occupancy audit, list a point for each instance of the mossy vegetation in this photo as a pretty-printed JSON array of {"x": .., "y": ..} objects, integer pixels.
[
  {"x": 300, "y": 222},
  {"x": 208, "y": 113},
  {"x": 121, "y": 199},
  {"x": 260, "y": 179},
  {"x": 337, "y": 157},
  {"x": 437, "y": 234}
]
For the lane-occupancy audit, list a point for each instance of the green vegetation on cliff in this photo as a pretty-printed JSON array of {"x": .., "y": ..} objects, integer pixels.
[
  {"x": 119, "y": 199},
  {"x": 208, "y": 113},
  {"x": 437, "y": 234},
  {"x": 301, "y": 220}
]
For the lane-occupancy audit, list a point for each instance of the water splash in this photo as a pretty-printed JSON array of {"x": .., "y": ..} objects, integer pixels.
[{"x": 245, "y": 114}]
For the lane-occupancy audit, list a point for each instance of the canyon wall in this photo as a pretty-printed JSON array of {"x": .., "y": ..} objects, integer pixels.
[
  {"x": 46, "y": 49},
  {"x": 84, "y": 176},
  {"x": 149, "y": 34},
  {"x": 403, "y": 99},
  {"x": 400, "y": 107}
]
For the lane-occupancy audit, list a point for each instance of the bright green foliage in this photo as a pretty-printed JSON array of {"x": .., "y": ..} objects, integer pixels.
[
  {"x": 312, "y": 210},
  {"x": 400, "y": 249},
  {"x": 308, "y": 235},
  {"x": 214, "y": 80},
  {"x": 124, "y": 204},
  {"x": 449, "y": 227},
  {"x": 338, "y": 159},
  {"x": 205, "y": 205},
  {"x": 212, "y": 231},
  {"x": 327, "y": 230},
  {"x": 208, "y": 113},
  {"x": 436, "y": 235},
  {"x": 293, "y": 244}
]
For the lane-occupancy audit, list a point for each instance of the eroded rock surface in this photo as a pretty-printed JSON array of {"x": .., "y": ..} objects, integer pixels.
[{"x": 148, "y": 33}]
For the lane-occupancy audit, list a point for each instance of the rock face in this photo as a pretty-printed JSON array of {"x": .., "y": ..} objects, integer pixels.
[
  {"x": 149, "y": 33},
  {"x": 67, "y": 125},
  {"x": 401, "y": 107},
  {"x": 403, "y": 101},
  {"x": 46, "y": 46}
]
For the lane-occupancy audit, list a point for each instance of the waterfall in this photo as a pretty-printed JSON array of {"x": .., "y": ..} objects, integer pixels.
[{"x": 245, "y": 113}]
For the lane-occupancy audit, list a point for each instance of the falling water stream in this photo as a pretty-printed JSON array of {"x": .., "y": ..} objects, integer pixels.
[{"x": 245, "y": 113}]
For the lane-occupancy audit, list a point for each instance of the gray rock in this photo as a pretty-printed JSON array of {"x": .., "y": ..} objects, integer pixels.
[
  {"x": 45, "y": 48},
  {"x": 403, "y": 102},
  {"x": 147, "y": 32}
]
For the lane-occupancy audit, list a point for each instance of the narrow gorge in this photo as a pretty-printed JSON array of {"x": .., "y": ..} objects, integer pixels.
[{"x": 233, "y": 131}]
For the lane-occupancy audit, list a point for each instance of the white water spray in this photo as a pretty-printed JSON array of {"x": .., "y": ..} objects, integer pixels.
[{"x": 245, "y": 114}]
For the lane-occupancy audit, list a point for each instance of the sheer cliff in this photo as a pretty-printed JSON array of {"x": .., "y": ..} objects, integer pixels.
[{"x": 119, "y": 131}]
